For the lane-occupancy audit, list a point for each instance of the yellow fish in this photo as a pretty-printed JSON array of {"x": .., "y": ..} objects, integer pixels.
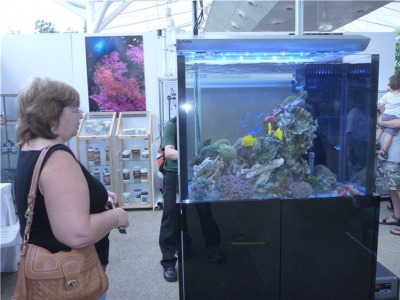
[
  {"x": 248, "y": 141},
  {"x": 269, "y": 130},
  {"x": 278, "y": 133}
]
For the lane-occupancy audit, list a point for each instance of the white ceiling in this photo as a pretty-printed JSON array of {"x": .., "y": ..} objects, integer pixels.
[
  {"x": 279, "y": 15},
  {"x": 137, "y": 16},
  {"x": 244, "y": 15}
]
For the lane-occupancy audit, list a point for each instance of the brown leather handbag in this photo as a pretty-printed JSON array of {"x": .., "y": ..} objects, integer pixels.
[{"x": 76, "y": 274}]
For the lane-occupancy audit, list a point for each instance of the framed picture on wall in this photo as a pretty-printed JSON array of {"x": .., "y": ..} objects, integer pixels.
[{"x": 115, "y": 71}]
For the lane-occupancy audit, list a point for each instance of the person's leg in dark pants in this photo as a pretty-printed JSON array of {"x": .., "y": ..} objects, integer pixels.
[{"x": 169, "y": 230}]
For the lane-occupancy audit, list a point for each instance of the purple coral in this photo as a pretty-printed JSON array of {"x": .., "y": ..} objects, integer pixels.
[
  {"x": 117, "y": 89},
  {"x": 135, "y": 54},
  {"x": 234, "y": 188}
]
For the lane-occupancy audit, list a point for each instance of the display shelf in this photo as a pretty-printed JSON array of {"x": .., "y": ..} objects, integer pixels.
[
  {"x": 9, "y": 151},
  {"x": 94, "y": 146},
  {"x": 134, "y": 165}
]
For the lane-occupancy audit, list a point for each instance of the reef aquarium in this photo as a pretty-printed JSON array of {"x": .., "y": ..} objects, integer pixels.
[{"x": 276, "y": 139}]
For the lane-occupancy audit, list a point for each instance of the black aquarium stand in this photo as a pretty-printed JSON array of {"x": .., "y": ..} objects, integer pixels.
[{"x": 321, "y": 248}]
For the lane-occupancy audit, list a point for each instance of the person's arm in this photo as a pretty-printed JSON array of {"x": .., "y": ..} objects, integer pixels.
[
  {"x": 395, "y": 123},
  {"x": 66, "y": 194},
  {"x": 170, "y": 152},
  {"x": 381, "y": 108},
  {"x": 169, "y": 140}
]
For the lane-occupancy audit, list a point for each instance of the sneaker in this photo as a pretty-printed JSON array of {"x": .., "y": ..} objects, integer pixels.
[
  {"x": 170, "y": 274},
  {"x": 216, "y": 255}
]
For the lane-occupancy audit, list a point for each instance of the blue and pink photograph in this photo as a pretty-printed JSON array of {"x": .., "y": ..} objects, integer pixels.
[{"x": 115, "y": 70}]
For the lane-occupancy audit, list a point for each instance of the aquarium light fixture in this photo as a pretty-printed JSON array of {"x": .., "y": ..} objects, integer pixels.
[
  {"x": 227, "y": 80},
  {"x": 272, "y": 43},
  {"x": 221, "y": 58}
]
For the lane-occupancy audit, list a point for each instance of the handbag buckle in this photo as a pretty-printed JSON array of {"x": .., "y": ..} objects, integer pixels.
[{"x": 71, "y": 283}]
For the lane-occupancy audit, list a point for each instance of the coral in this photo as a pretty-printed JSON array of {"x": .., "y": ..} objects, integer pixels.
[
  {"x": 221, "y": 142},
  {"x": 258, "y": 169},
  {"x": 271, "y": 119},
  {"x": 220, "y": 147},
  {"x": 234, "y": 188},
  {"x": 136, "y": 54},
  {"x": 208, "y": 168},
  {"x": 306, "y": 106},
  {"x": 270, "y": 165},
  {"x": 206, "y": 176},
  {"x": 244, "y": 154},
  {"x": 259, "y": 174},
  {"x": 209, "y": 151},
  {"x": 118, "y": 89},
  {"x": 300, "y": 169},
  {"x": 300, "y": 189},
  {"x": 227, "y": 153},
  {"x": 199, "y": 189},
  {"x": 298, "y": 127},
  {"x": 322, "y": 179},
  {"x": 264, "y": 149}
]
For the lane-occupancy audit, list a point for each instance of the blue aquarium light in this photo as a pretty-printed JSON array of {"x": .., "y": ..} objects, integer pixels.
[
  {"x": 278, "y": 49},
  {"x": 251, "y": 57}
]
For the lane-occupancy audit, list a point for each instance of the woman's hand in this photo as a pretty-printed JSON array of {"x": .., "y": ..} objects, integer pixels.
[
  {"x": 114, "y": 197},
  {"x": 123, "y": 220}
]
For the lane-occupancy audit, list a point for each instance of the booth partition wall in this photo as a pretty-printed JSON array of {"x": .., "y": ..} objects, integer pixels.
[{"x": 276, "y": 167}]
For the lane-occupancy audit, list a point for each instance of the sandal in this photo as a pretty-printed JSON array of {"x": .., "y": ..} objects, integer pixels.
[
  {"x": 387, "y": 221},
  {"x": 395, "y": 231},
  {"x": 378, "y": 145},
  {"x": 383, "y": 154}
]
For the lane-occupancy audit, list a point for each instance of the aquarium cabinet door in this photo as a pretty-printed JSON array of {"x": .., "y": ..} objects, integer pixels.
[{"x": 134, "y": 164}]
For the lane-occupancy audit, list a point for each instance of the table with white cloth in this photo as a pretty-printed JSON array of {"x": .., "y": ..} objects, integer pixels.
[{"x": 10, "y": 256}]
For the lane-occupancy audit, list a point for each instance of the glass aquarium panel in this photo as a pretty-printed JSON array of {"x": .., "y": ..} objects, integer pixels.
[{"x": 265, "y": 124}]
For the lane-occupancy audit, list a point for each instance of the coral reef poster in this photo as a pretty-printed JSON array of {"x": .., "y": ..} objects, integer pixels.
[{"x": 115, "y": 70}]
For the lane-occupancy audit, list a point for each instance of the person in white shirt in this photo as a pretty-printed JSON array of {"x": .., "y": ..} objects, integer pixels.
[{"x": 389, "y": 106}]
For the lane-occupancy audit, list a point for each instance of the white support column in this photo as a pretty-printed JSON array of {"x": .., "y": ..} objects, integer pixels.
[
  {"x": 90, "y": 13},
  {"x": 299, "y": 17},
  {"x": 100, "y": 15},
  {"x": 114, "y": 14}
]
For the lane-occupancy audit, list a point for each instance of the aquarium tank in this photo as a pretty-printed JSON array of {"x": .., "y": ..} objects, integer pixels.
[
  {"x": 276, "y": 166},
  {"x": 276, "y": 117}
]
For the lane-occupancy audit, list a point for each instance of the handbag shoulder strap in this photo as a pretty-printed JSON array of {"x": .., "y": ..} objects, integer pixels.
[{"x": 32, "y": 196}]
